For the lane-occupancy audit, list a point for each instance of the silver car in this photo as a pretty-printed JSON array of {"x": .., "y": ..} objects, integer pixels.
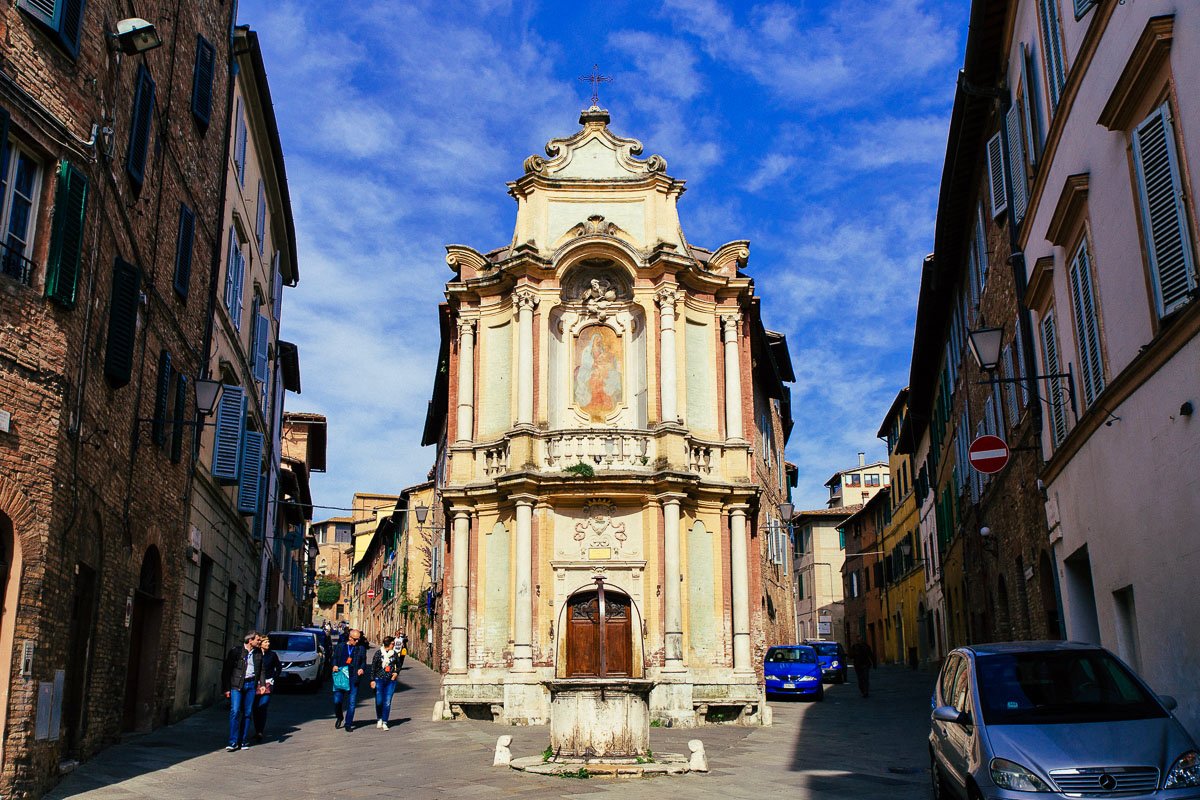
[{"x": 1058, "y": 718}]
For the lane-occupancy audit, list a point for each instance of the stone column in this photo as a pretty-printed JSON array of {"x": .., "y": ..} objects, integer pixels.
[
  {"x": 523, "y": 623},
  {"x": 733, "y": 376},
  {"x": 466, "y": 380},
  {"x": 524, "y": 300},
  {"x": 460, "y": 546},
  {"x": 672, "y": 599},
  {"x": 667, "y": 297},
  {"x": 740, "y": 567}
]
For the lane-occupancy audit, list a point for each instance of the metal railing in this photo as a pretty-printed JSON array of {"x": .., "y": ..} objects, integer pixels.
[{"x": 15, "y": 265}]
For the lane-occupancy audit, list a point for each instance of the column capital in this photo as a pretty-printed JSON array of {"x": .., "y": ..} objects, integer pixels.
[
  {"x": 668, "y": 498},
  {"x": 666, "y": 298},
  {"x": 729, "y": 321},
  {"x": 466, "y": 326},
  {"x": 461, "y": 511},
  {"x": 737, "y": 509},
  {"x": 524, "y": 499},
  {"x": 525, "y": 298}
]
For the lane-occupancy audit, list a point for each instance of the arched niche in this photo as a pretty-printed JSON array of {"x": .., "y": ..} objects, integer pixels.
[{"x": 578, "y": 645}]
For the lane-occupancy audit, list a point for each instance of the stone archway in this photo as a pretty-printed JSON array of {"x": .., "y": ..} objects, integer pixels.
[
  {"x": 599, "y": 635},
  {"x": 145, "y": 628}
]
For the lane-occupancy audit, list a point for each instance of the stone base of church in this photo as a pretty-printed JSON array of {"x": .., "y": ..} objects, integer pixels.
[{"x": 677, "y": 699}]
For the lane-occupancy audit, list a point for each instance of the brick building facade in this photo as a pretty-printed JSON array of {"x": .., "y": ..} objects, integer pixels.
[{"x": 112, "y": 173}]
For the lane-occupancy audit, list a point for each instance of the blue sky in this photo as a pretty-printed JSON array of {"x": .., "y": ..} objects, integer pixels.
[{"x": 814, "y": 129}]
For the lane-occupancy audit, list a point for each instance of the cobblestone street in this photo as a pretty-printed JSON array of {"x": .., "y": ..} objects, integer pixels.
[{"x": 846, "y": 747}]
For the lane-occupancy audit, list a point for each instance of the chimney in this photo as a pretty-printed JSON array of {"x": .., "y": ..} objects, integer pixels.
[{"x": 862, "y": 459}]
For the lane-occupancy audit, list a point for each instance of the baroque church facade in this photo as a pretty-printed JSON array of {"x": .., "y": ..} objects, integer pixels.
[{"x": 610, "y": 415}]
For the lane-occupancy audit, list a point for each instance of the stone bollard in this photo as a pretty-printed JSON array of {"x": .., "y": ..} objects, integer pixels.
[
  {"x": 438, "y": 711},
  {"x": 699, "y": 761},
  {"x": 503, "y": 754}
]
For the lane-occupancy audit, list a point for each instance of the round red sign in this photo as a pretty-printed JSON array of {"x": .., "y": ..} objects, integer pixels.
[
  {"x": 370, "y": 593},
  {"x": 988, "y": 454}
]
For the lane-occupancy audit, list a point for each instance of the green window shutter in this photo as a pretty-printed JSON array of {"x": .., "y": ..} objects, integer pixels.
[
  {"x": 139, "y": 126},
  {"x": 122, "y": 323},
  {"x": 1058, "y": 411},
  {"x": 162, "y": 396},
  {"x": 184, "y": 244},
  {"x": 995, "y": 165},
  {"x": 1082, "y": 7},
  {"x": 202, "y": 81},
  {"x": 1087, "y": 327},
  {"x": 1164, "y": 218},
  {"x": 227, "y": 442},
  {"x": 179, "y": 418},
  {"x": 66, "y": 235},
  {"x": 250, "y": 480}
]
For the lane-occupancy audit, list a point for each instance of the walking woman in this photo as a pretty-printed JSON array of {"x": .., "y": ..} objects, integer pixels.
[
  {"x": 272, "y": 668},
  {"x": 384, "y": 672}
]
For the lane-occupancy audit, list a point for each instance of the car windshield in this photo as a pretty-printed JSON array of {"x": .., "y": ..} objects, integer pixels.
[
  {"x": 292, "y": 642},
  {"x": 1065, "y": 686},
  {"x": 795, "y": 655},
  {"x": 826, "y": 648}
]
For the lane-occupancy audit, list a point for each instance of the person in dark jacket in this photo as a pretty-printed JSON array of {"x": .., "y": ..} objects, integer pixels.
[
  {"x": 385, "y": 670},
  {"x": 351, "y": 656},
  {"x": 241, "y": 676},
  {"x": 863, "y": 658},
  {"x": 272, "y": 669}
]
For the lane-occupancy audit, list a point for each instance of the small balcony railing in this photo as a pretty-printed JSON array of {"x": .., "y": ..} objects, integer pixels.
[
  {"x": 599, "y": 448},
  {"x": 14, "y": 265}
]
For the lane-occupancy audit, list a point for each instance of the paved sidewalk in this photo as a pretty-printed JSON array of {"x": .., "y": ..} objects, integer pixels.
[{"x": 846, "y": 747}]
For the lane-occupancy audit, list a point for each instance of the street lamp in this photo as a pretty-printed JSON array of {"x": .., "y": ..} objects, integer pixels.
[
  {"x": 422, "y": 513},
  {"x": 985, "y": 347},
  {"x": 206, "y": 395}
]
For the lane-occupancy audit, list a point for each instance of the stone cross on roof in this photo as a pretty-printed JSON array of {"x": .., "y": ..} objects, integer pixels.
[{"x": 595, "y": 79}]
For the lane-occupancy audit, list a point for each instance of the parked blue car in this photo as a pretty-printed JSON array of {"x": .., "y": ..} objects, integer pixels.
[
  {"x": 832, "y": 657},
  {"x": 793, "y": 669}
]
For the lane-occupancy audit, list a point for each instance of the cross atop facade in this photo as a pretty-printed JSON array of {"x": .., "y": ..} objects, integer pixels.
[{"x": 595, "y": 79}]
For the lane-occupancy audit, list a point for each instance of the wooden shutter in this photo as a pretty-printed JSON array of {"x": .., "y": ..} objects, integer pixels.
[
  {"x": 1087, "y": 327},
  {"x": 1016, "y": 165},
  {"x": 47, "y": 12},
  {"x": 66, "y": 237},
  {"x": 231, "y": 269},
  {"x": 1082, "y": 7},
  {"x": 1006, "y": 361},
  {"x": 227, "y": 442},
  {"x": 238, "y": 287},
  {"x": 1058, "y": 411},
  {"x": 1052, "y": 41},
  {"x": 162, "y": 396},
  {"x": 239, "y": 144},
  {"x": 139, "y": 126},
  {"x": 262, "y": 339},
  {"x": 202, "y": 81},
  {"x": 260, "y": 224},
  {"x": 999, "y": 195},
  {"x": 70, "y": 26},
  {"x": 122, "y": 323},
  {"x": 1164, "y": 218},
  {"x": 277, "y": 297},
  {"x": 179, "y": 419},
  {"x": 1029, "y": 100},
  {"x": 250, "y": 481},
  {"x": 183, "y": 250}
]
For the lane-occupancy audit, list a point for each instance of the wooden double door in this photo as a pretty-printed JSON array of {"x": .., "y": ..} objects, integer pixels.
[{"x": 599, "y": 636}]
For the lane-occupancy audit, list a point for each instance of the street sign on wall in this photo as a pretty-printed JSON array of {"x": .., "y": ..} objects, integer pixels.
[
  {"x": 988, "y": 454},
  {"x": 370, "y": 594}
]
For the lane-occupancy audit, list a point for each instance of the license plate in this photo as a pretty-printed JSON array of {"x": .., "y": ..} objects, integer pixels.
[{"x": 789, "y": 686}]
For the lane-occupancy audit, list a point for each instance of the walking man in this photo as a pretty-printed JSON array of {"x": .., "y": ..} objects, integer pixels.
[
  {"x": 384, "y": 672},
  {"x": 863, "y": 658},
  {"x": 241, "y": 676},
  {"x": 350, "y": 660},
  {"x": 272, "y": 668}
]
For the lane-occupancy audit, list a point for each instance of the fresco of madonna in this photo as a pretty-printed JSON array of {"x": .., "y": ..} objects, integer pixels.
[{"x": 598, "y": 362}]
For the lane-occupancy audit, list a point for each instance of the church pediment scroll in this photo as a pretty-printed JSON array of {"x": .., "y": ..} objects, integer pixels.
[{"x": 594, "y": 153}]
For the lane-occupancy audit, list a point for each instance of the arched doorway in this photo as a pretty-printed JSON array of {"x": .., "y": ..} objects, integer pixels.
[
  {"x": 1048, "y": 590},
  {"x": 145, "y": 625},
  {"x": 10, "y": 580},
  {"x": 599, "y": 636},
  {"x": 82, "y": 639}
]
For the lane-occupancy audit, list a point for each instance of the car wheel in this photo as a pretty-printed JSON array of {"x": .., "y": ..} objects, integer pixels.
[
  {"x": 937, "y": 783},
  {"x": 820, "y": 695}
]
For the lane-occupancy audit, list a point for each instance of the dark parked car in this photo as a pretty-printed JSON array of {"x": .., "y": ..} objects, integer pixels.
[
  {"x": 793, "y": 669},
  {"x": 1057, "y": 718},
  {"x": 832, "y": 657}
]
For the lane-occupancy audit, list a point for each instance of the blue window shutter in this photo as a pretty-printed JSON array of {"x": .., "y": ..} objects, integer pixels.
[
  {"x": 139, "y": 126},
  {"x": 122, "y": 323},
  {"x": 202, "y": 81},
  {"x": 1029, "y": 99},
  {"x": 47, "y": 12},
  {"x": 239, "y": 289},
  {"x": 66, "y": 236},
  {"x": 262, "y": 339},
  {"x": 1164, "y": 218},
  {"x": 250, "y": 480},
  {"x": 260, "y": 227},
  {"x": 227, "y": 443},
  {"x": 1016, "y": 165},
  {"x": 158, "y": 426},
  {"x": 231, "y": 269},
  {"x": 277, "y": 298},
  {"x": 183, "y": 250},
  {"x": 1058, "y": 411},
  {"x": 1019, "y": 345},
  {"x": 995, "y": 165},
  {"x": 178, "y": 419},
  {"x": 70, "y": 26},
  {"x": 1052, "y": 41},
  {"x": 239, "y": 144},
  {"x": 1082, "y": 7},
  {"x": 1087, "y": 327}
]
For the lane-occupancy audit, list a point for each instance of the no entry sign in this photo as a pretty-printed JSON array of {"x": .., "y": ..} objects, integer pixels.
[
  {"x": 370, "y": 593},
  {"x": 988, "y": 454}
]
